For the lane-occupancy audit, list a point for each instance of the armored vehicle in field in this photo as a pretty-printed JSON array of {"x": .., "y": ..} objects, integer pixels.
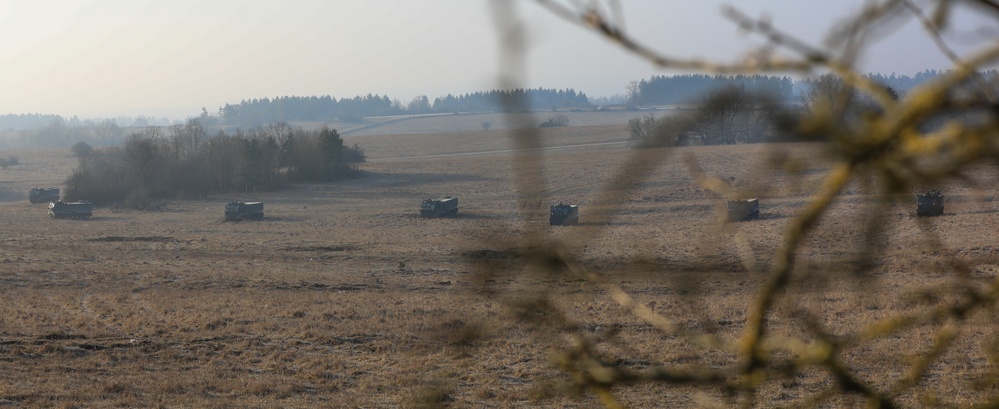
[
  {"x": 446, "y": 206},
  {"x": 930, "y": 203},
  {"x": 70, "y": 210},
  {"x": 43, "y": 195},
  {"x": 238, "y": 211},
  {"x": 743, "y": 209},
  {"x": 563, "y": 215}
]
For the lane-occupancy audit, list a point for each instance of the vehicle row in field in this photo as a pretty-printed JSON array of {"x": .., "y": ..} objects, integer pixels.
[
  {"x": 235, "y": 210},
  {"x": 447, "y": 206},
  {"x": 927, "y": 204}
]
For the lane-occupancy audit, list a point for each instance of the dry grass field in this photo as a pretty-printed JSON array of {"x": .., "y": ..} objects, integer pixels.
[
  {"x": 343, "y": 297},
  {"x": 471, "y": 122}
]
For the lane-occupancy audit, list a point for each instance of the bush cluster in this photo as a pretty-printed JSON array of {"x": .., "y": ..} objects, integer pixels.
[
  {"x": 555, "y": 121},
  {"x": 8, "y": 161},
  {"x": 187, "y": 163}
]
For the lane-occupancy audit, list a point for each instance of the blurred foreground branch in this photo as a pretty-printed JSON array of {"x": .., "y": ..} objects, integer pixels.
[{"x": 890, "y": 149}]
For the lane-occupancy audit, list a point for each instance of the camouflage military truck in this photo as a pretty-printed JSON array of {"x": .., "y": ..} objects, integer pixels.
[
  {"x": 930, "y": 203},
  {"x": 238, "y": 211},
  {"x": 70, "y": 210},
  {"x": 446, "y": 206},
  {"x": 43, "y": 195},
  {"x": 743, "y": 209},
  {"x": 563, "y": 215}
]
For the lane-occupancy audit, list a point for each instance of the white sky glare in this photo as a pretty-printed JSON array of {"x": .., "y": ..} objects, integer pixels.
[{"x": 107, "y": 58}]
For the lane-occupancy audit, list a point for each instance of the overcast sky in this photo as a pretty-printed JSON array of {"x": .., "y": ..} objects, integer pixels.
[{"x": 106, "y": 58}]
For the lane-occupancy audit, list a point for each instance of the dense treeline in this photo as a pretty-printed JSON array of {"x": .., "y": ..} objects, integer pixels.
[
  {"x": 263, "y": 111},
  {"x": 903, "y": 83},
  {"x": 185, "y": 162},
  {"x": 736, "y": 114},
  {"x": 326, "y": 108},
  {"x": 44, "y": 130},
  {"x": 689, "y": 89},
  {"x": 20, "y": 122},
  {"x": 55, "y": 130},
  {"x": 27, "y": 121},
  {"x": 62, "y": 133},
  {"x": 494, "y": 100}
]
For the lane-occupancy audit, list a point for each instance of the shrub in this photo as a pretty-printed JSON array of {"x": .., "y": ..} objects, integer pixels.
[
  {"x": 8, "y": 161},
  {"x": 665, "y": 131},
  {"x": 81, "y": 149},
  {"x": 555, "y": 121}
]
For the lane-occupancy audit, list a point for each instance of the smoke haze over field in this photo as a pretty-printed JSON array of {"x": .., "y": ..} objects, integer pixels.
[{"x": 153, "y": 58}]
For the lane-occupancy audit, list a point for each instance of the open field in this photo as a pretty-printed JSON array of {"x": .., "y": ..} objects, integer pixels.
[
  {"x": 471, "y": 122},
  {"x": 342, "y": 297}
]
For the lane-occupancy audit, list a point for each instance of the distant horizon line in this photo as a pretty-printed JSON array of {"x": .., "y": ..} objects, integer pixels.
[{"x": 167, "y": 118}]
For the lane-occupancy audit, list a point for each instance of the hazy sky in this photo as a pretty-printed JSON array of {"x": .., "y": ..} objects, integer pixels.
[{"x": 171, "y": 58}]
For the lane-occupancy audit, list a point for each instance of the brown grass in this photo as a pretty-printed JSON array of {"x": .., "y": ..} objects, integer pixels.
[
  {"x": 342, "y": 297},
  {"x": 472, "y": 122}
]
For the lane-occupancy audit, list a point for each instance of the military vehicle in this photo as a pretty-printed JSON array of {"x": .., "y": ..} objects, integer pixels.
[
  {"x": 43, "y": 195},
  {"x": 70, "y": 210},
  {"x": 930, "y": 203},
  {"x": 238, "y": 210},
  {"x": 446, "y": 206},
  {"x": 563, "y": 215},
  {"x": 743, "y": 209}
]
